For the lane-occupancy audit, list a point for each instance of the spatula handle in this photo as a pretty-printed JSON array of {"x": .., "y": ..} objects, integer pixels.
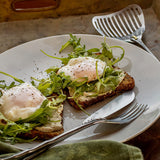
[{"x": 140, "y": 42}]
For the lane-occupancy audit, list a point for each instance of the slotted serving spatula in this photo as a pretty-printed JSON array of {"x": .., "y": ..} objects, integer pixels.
[{"x": 127, "y": 24}]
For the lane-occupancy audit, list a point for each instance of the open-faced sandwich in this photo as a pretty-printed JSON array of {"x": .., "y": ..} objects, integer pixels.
[
  {"x": 92, "y": 74},
  {"x": 34, "y": 111},
  {"x": 30, "y": 112}
]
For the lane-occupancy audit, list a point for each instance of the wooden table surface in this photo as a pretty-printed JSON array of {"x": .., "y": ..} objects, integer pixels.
[
  {"x": 149, "y": 142},
  {"x": 15, "y": 33}
]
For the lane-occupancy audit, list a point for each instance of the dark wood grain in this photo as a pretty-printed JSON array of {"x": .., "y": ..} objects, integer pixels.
[{"x": 149, "y": 142}]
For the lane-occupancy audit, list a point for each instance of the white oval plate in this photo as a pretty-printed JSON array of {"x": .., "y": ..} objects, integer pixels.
[{"x": 27, "y": 60}]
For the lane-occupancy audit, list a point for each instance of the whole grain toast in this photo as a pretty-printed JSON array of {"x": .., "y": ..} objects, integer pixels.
[
  {"x": 52, "y": 128},
  {"x": 44, "y": 135},
  {"x": 41, "y": 135},
  {"x": 127, "y": 83}
]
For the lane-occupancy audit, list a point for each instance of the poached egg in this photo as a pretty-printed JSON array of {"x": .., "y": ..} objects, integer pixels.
[
  {"x": 80, "y": 68},
  {"x": 20, "y": 101}
]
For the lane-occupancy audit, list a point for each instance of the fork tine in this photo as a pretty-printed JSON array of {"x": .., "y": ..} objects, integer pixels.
[
  {"x": 131, "y": 114},
  {"x": 131, "y": 111},
  {"x": 128, "y": 111},
  {"x": 134, "y": 111},
  {"x": 139, "y": 109},
  {"x": 137, "y": 113}
]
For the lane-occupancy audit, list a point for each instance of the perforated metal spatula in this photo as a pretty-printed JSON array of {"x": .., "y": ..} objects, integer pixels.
[{"x": 127, "y": 24}]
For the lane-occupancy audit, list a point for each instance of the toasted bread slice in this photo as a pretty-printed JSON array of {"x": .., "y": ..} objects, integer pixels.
[
  {"x": 52, "y": 128},
  {"x": 127, "y": 83},
  {"x": 49, "y": 130},
  {"x": 41, "y": 135}
]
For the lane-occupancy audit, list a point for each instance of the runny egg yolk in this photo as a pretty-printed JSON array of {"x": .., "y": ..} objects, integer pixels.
[
  {"x": 20, "y": 102},
  {"x": 82, "y": 67}
]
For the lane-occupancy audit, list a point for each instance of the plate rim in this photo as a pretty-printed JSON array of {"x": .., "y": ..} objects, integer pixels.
[{"x": 112, "y": 39}]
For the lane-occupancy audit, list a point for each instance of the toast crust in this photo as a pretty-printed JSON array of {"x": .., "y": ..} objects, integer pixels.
[
  {"x": 127, "y": 83},
  {"x": 41, "y": 135}
]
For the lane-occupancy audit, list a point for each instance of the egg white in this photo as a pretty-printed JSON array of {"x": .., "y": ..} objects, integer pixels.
[
  {"x": 20, "y": 101},
  {"x": 82, "y": 67}
]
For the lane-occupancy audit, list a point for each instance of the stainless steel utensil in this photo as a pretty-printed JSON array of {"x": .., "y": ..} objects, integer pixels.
[
  {"x": 127, "y": 24},
  {"x": 126, "y": 117},
  {"x": 113, "y": 106}
]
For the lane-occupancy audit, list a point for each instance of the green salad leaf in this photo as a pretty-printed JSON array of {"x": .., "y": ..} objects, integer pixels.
[
  {"x": 107, "y": 82},
  {"x": 55, "y": 83},
  {"x": 58, "y": 100},
  {"x": 10, "y": 131},
  {"x": 75, "y": 43},
  {"x": 3, "y": 84},
  {"x": 64, "y": 60},
  {"x": 16, "y": 79},
  {"x": 104, "y": 53}
]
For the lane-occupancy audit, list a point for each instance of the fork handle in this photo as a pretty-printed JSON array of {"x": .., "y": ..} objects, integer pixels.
[
  {"x": 140, "y": 42},
  {"x": 30, "y": 153}
]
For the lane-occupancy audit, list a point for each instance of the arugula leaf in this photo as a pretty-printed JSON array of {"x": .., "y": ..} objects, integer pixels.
[
  {"x": 16, "y": 79},
  {"x": 107, "y": 55},
  {"x": 81, "y": 107},
  {"x": 92, "y": 50},
  {"x": 52, "y": 69},
  {"x": 73, "y": 41},
  {"x": 40, "y": 116},
  {"x": 106, "y": 50},
  {"x": 52, "y": 84},
  {"x": 64, "y": 46},
  {"x": 119, "y": 58},
  {"x": 55, "y": 83},
  {"x": 107, "y": 82},
  {"x": 66, "y": 80},
  {"x": 60, "y": 99},
  {"x": 11, "y": 130},
  {"x": 104, "y": 53},
  {"x": 64, "y": 60},
  {"x": 1, "y": 94},
  {"x": 14, "y": 140},
  {"x": 3, "y": 84}
]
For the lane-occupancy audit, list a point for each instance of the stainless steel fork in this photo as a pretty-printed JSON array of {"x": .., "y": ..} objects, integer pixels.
[
  {"x": 126, "y": 117},
  {"x": 127, "y": 24}
]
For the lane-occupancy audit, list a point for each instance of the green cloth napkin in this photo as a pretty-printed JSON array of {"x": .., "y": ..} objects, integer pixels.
[{"x": 89, "y": 150}]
